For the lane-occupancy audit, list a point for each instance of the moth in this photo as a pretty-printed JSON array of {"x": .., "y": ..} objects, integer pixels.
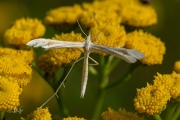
[{"x": 129, "y": 55}]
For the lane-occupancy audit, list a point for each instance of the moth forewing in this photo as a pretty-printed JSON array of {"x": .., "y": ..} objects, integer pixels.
[
  {"x": 122, "y": 53},
  {"x": 53, "y": 44}
]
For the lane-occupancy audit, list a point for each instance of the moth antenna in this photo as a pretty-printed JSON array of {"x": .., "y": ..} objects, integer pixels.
[{"x": 81, "y": 28}]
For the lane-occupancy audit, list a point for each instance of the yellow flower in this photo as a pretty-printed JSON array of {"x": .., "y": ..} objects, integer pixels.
[
  {"x": 151, "y": 99},
  {"x": 177, "y": 66},
  {"x": 25, "y": 55},
  {"x": 152, "y": 47},
  {"x": 99, "y": 13},
  {"x": 111, "y": 35},
  {"x": 63, "y": 15},
  {"x": 39, "y": 114},
  {"x": 134, "y": 13},
  {"x": 23, "y": 30},
  {"x": 16, "y": 68},
  {"x": 122, "y": 114},
  {"x": 73, "y": 118},
  {"x": 9, "y": 94},
  {"x": 58, "y": 57}
]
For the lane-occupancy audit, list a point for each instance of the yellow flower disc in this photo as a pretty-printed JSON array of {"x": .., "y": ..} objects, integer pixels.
[
  {"x": 151, "y": 99},
  {"x": 73, "y": 118},
  {"x": 122, "y": 114},
  {"x": 40, "y": 114},
  {"x": 111, "y": 36},
  {"x": 9, "y": 94},
  {"x": 177, "y": 66},
  {"x": 153, "y": 48},
  {"x": 66, "y": 14},
  {"x": 23, "y": 30},
  {"x": 16, "y": 68},
  {"x": 58, "y": 57}
]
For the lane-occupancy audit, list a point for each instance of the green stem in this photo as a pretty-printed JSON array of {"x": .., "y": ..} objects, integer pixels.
[
  {"x": 2, "y": 115},
  {"x": 157, "y": 117},
  {"x": 176, "y": 112},
  {"x": 125, "y": 77},
  {"x": 171, "y": 107},
  {"x": 62, "y": 106},
  {"x": 101, "y": 92}
]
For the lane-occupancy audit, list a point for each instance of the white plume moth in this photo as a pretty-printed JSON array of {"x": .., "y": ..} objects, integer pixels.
[{"x": 129, "y": 55}]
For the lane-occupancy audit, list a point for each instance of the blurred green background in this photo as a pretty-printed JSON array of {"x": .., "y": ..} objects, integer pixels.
[{"x": 33, "y": 96}]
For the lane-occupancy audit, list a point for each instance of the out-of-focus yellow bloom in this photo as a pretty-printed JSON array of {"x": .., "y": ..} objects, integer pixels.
[
  {"x": 111, "y": 35},
  {"x": 99, "y": 13},
  {"x": 134, "y": 13},
  {"x": 151, "y": 99},
  {"x": 177, "y": 66},
  {"x": 171, "y": 83},
  {"x": 58, "y": 57},
  {"x": 25, "y": 55},
  {"x": 63, "y": 15},
  {"x": 16, "y": 68},
  {"x": 165, "y": 80},
  {"x": 153, "y": 48},
  {"x": 23, "y": 30},
  {"x": 122, "y": 114},
  {"x": 175, "y": 89},
  {"x": 9, "y": 94},
  {"x": 39, "y": 114},
  {"x": 73, "y": 118}
]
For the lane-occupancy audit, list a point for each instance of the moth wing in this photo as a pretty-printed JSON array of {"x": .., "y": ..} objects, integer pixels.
[
  {"x": 54, "y": 44},
  {"x": 129, "y": 55}
]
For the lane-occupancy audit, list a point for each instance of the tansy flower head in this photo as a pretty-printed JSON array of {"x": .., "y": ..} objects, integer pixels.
[
  {"x": 23, "y": 30},
  {"x": 9, "y": 94},
  {"x": 122, "y": 114},
  {"x": 73, "y": 118},
  {"x": 39, "y": 114},
  {"x": 153, "y": 48},
  {"x": 94, "y": 14},
  {"x": 177, "y": 66},
  {"x": 58, "y": 57},
  {"x": 134, "y": 13},
  {"x": 111, "y": 35},
  {"x": 151, "y": 99},
  {"x": 63, "y": 15},
  {"x": 25, "y": 55},
  {"x": 16, "y": 68}
]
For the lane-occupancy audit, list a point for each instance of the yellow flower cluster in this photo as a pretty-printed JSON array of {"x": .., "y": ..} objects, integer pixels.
[
  {"x": 116, "y": 38},
  {"x": 23, "y": 30},
  {"x": 122, "y": 114},
  {"x": 131, "y": 12},
  {"x": 134, "y": 13},
  {"x": 25, "y": 55},
  {"x": 39, "y": 114},
  {"x": 99, "y": 13},
  {"x": 55, "y": 58},
  {"x": 16, "y": 68},
  {"x": 152, "y": 47},
  {"x": 9, "y": 94},
  {"x": 73, "y": 118},
  {"x": 177, "y": 66},
  {"x": 153, "y": 98},
  {"x": 63, "y": 15}
]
